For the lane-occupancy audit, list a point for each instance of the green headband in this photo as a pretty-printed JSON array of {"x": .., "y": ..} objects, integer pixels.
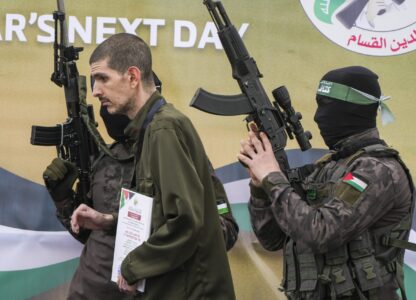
[{"x": 349, "y": 94}]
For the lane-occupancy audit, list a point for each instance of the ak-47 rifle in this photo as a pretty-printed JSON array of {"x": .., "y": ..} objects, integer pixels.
[
  {"x": 72, "y": 138},
  {"x": 277, "y": 120}
]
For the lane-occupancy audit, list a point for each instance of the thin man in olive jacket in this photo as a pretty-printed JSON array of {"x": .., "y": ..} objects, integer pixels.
[
  {"x": 185, "y": 255},
  {"x": 110, "y": 172}
]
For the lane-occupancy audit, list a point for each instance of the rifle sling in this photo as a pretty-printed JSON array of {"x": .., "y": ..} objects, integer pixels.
[{"x": 149, "y": 117}]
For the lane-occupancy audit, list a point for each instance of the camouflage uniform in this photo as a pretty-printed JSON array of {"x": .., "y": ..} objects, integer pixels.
[
  {"x": 335, "y": 242},
  {"x": 92, "y": 279}
]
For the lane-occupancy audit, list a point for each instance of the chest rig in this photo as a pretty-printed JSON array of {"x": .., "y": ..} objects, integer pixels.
[{"x": 359, "y": 268}]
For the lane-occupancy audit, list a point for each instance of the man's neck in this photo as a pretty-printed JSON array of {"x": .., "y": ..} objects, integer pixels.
[{"x": 142, "y": 97}]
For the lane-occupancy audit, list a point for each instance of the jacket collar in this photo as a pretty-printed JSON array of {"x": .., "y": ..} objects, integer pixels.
[
  {"x": 133, "y": 129},
  {"x": 365, "y": 135}
]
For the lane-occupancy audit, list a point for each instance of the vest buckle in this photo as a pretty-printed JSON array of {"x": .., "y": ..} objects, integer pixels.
[{"x": 368, "y": 268}]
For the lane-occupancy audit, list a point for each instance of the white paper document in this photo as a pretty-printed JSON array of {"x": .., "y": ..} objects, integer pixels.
[{"x": 133, "y": 228}]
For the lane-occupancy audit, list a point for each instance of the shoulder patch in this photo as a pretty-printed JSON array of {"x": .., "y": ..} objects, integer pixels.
[
  {"x": 355, "y": 182},
  {"x": 222, "y": 208},
  {"x": 350, "y": 188}
]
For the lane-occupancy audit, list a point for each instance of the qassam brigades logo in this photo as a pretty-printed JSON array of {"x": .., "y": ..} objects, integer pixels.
[{"x": 371, "y": 27}]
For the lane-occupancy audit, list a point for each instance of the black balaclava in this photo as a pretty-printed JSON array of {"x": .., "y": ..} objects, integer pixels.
[
  {"x": 116, "y": 123},
  {"x": 337, "y": 119}
]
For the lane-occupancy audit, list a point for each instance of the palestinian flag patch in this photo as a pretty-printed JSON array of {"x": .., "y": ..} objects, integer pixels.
[{"x": 355, "y": 182}]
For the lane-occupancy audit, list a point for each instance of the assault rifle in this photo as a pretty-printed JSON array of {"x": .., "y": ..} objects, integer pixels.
[
  {"x": 278, "y": 120},
  {"x": 72, "y": 138}
]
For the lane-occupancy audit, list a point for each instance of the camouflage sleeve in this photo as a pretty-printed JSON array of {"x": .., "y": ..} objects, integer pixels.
[
  {"x": 228, "y": 224},
  {"x": 365, "y": 195},
  {"x": 112, "y": 230},
  {"x": 64, "y": 210},
  {"x": 265, "y": 227},
  {"x": 229, "y": 229}
]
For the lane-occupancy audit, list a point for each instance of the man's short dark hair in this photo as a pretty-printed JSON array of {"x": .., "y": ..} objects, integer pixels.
[{"x": 124, "y": 50}]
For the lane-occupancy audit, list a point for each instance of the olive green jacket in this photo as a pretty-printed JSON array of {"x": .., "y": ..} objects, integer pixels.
[{"x": 185, "y": 256}]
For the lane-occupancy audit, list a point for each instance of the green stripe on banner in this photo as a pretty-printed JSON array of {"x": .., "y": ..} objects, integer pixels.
[
  {"x": 409, "y": 282},
  {"x": 241, "y": 215},
  {"x": 17, "y": 285}
]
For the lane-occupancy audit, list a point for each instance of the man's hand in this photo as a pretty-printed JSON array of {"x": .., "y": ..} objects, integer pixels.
[
  {"x": 257, "y": 154},
  {"x": 124, "y": 287},
  {"x": 88, "y": 218},
  {"x": 59, "y": 178}
]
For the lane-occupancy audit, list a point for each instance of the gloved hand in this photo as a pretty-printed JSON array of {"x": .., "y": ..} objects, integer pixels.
[{"x": 59, "y": 178}]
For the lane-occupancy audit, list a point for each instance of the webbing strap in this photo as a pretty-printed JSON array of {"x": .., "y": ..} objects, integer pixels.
[
  {"x": 299, "y": 174},
  {"x": 308, "y": 274},
  {"x": 388, "y": 241},
  {"x": 354, "y": 147},
  {"x": 149, "y": 117},
  {"x": 290, "y": 266}
]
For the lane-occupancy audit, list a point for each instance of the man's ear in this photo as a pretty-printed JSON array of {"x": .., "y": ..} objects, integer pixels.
[{"x": 134, "y": 75}]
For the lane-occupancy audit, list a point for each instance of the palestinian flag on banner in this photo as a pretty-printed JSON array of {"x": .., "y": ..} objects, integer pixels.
[{"x": 355, "y": 182}]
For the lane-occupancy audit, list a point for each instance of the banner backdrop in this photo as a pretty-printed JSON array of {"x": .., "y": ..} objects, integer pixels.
[{"x": 293, "y": 44}]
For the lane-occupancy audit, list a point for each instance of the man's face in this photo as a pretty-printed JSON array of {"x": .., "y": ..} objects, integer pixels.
[{"x": 112, "y": 88}]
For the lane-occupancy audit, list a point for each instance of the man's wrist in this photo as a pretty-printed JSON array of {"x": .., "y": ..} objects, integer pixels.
[
  {"x": 61, "y": 196},
  {"x": 259, "y": 198},
  {"x": 112, "y": 223},
  {"x": 107, "y": 221},
  {"x": 272, "y": 180}
]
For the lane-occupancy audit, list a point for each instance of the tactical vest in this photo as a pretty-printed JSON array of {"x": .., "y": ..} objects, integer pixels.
[{"x": 351, "y": 271}]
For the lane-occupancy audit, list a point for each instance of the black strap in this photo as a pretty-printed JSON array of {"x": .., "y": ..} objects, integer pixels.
[
  {"x": 150, "y": 114},
  {"x": 354, "y": 147},
  {"x": 300, "y": 173},
  {"x": 149, "y": 117},
  {"x": 398, "y": 243}
]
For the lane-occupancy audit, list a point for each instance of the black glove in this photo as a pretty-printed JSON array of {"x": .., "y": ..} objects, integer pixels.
[{"x": 59, "y": 178}]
